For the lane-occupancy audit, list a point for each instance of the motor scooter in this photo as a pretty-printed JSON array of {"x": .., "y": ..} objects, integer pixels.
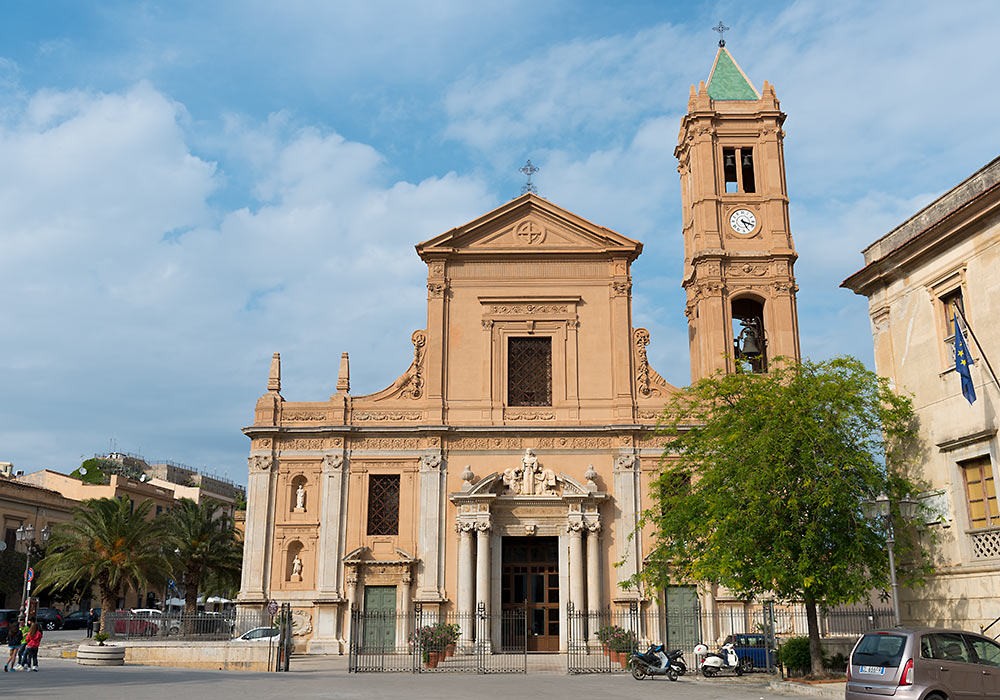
[
  {"x": 655, "y": 662},
  {"x": 723, "y": 660}
]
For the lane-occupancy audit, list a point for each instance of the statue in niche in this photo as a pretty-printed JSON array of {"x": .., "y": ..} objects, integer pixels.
[
  {"x": 296, "y": 568},
  {"x": 300, "y": 498}
]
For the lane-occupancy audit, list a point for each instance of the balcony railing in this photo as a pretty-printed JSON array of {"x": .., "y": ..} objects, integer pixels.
[{"x": 985, "y": 543}]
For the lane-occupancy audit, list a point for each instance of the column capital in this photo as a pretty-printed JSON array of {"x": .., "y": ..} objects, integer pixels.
[
  {"x": 333, "y": 463},
  {"x": 575, "y": 527},
  {"x": 260, "y": 463}
]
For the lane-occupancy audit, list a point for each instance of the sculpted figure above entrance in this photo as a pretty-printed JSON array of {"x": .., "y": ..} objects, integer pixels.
[{"x": 530, "y": 479}]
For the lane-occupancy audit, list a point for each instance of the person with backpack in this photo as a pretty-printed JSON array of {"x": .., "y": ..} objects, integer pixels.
[
  {"x": 14, "y": 639},
  {"x": 32, "y": 641}
]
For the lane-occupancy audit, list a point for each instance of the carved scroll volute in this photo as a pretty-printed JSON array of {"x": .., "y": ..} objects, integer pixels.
[
  {"x": 642, "y": 380},
  {"x": 415, "y": 388}
]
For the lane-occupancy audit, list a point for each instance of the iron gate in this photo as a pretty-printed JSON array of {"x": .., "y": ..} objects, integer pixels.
[{"x": 435, "y": 642}]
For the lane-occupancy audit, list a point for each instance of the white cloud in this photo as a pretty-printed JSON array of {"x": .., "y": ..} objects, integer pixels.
[{"x": 121, "y": 326}]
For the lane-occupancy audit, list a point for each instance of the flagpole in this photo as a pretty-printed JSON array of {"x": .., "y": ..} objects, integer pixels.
[{"x": 978, "y": 345}]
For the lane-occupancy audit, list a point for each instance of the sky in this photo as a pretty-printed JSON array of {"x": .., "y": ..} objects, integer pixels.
[{"x": 187, "y": 187}]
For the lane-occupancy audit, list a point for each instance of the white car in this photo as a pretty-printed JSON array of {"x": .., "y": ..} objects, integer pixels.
[
  {"x": 157, "y": 616},
  {"x": 260, "y": 634}
]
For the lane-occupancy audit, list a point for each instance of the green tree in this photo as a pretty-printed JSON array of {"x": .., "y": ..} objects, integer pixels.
[
  {"x": 110, "y": 543},
  {"x": 762, "y": 482},
  {"x": 210, "y": 551}
]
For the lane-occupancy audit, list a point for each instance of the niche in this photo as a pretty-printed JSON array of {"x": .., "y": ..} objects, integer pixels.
[
  {"x": 298, "y": 495},
  {"x": 294, "y": 563}
]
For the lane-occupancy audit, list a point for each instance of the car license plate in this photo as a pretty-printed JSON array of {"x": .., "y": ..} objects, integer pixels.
[{"x": 877, "y": 670}]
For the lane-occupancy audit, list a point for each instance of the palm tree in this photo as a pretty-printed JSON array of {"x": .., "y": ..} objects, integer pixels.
[
  {"x": 109, "y": 542},
  {"x": 208, "y": 547}
]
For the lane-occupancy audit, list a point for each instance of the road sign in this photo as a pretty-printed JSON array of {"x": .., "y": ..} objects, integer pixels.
[
  {"x": 272, "y": 607},
  {"x": 31, "y": 574}
]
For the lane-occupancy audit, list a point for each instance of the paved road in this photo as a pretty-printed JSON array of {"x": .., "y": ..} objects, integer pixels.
[{"x": 315, "y": 678}]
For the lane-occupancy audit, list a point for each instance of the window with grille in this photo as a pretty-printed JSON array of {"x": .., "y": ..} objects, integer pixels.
[
  {"x": 529, "y": 372},
  {"x": 383, "y": 504},
  {"x": 980, "y": 490}
]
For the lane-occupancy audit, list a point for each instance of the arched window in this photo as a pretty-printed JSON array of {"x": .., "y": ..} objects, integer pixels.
[{"x": 749, "y": 340}]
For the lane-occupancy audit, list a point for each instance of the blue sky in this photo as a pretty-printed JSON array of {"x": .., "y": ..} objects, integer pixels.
[{"x": 187, "y": 187}]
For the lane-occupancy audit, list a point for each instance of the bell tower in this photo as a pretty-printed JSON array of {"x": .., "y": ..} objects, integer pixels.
[{"x": 738, "y": 250}]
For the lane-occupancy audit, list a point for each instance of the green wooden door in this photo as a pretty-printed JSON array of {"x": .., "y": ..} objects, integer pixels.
[
  {"x": 683, "y": 628},
  {"x": 380, "y": 617}
]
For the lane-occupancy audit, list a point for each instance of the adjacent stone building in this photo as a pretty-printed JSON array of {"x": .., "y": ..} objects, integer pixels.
[
  {"x": 947, "y": 254},
  {"x": 508, "y": 464}
]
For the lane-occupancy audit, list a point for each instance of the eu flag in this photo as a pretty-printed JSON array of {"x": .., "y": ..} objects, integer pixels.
[{"x": 962, "y": 361}]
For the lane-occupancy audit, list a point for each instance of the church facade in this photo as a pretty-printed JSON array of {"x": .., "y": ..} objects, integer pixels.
[{"x": 509, "y": 463}]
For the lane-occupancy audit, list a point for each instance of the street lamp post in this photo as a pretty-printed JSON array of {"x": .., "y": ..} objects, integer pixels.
[
  {"x": 26, "y": 534},
  {"x": 880, "y": 510}
]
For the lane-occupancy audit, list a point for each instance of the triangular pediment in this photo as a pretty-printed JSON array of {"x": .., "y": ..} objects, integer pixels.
[{"x": 530, "y": 225}]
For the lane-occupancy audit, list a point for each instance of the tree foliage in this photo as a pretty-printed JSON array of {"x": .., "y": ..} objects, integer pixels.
[
  {"x": 762, "y": 483},
  {"x": 210, "y": 551},
  {"x": 109, "y": 543}
]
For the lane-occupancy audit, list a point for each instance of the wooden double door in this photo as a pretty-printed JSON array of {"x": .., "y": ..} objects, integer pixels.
[{"x": 530, "y": 580}]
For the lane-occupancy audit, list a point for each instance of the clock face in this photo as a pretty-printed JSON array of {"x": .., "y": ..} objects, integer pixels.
[{"x": 742, "y": 221}]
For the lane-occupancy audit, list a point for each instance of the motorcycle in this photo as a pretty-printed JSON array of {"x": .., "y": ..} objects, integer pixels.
[
  {"x": 655, "y": 662},
  {"x": 723, "y": 660},
  {"x": 677, "y": 661}
]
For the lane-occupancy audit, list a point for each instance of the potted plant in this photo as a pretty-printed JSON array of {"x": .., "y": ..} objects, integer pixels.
[
  {"x": 100, "y": 638},
  {"x": 451, "y": 633},
  {"x": 432, "y": 645},
  {"x": 604, "y": 635}
]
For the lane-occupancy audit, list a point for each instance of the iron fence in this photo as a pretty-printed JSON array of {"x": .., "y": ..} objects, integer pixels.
[
  {"x": 204, "y": 626},
  {"x": 602, "y": 641},
  {"x": 435, "y": 642}
]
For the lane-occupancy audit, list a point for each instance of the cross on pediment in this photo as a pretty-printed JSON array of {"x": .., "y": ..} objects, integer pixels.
[{"x": 529, "y": 232}]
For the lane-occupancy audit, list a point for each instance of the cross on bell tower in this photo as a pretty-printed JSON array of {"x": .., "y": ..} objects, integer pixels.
[{"x": 738, "y": 249}]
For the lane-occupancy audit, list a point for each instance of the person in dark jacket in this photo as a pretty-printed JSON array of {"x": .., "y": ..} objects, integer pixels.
[
  {"x": 14, "y": 639},
  {"x": 91, "y": 619}
]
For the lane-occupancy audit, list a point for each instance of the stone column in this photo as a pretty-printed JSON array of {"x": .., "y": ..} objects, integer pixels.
[
  {"x": 351, "y": 593},
  {"x": 593, "y": 577},
  {"x": 332, "y": 485},
  {"x": 626, "y": 482},
  {"x": 466, "y": 580},
  {"x": 253, "y": 587},
  {"x": 483, "y": 581},
  {"x": 429, "y": 529},
  {"x": 576, "y": 580},
  {"x": 404, "y": 601}
]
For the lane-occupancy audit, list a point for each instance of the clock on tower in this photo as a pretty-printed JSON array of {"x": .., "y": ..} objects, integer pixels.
[{"x": 738, "y": 250}]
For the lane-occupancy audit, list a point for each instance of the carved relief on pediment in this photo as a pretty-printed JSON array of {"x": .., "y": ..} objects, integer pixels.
[{"x": 529, "y": 478}]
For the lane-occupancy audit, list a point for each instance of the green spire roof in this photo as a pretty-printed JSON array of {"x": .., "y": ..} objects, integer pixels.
[{"x": 727, "y": 81}]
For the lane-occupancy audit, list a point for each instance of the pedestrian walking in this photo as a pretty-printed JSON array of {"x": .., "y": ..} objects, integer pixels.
[
  {"x": 33, "y": 640},
  {"x": 14, "y": 639},
  {"x": 91, "y": 619},
  {"x": 22, "y": 650}
]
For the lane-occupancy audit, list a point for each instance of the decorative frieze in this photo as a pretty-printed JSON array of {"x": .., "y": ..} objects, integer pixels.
[
  {"x": 303, "y": 416},
  {"x": 649, "y": 413},
  {"x": 301, "y": 444},
  {"x": 385, "y": 443},
  {"x": 376, "y": 416},
  {"x": 528, "y": 309},
  {"x": 513, "y": 414}
]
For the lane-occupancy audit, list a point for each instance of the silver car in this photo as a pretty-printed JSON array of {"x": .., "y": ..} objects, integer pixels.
[{"x": 924, "y": 664}]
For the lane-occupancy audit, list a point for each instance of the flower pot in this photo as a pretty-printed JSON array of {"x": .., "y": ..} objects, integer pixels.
[
  {"x": 96, "y": 655},
  {"x": 433, "y": 659},
  {"x": 449, "y": 650},
  {"x": 606, "y": 650}
]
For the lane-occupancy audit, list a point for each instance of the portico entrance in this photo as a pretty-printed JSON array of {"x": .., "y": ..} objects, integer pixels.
[{"x": 530, "y": 579}]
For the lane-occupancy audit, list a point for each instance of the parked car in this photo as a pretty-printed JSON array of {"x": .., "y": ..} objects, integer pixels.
[
  {"x": 76, "y": 620},
  {"x": 162, "y": 621},
  {"x": 923, "y": 663},
  {"x": 260, "y": 634},
  {"x": 8, "y": 617},
  {"x": 751, "y": 650},
  {"x": 134, "y": 625},
  {"x": 49, "y": 618}
]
